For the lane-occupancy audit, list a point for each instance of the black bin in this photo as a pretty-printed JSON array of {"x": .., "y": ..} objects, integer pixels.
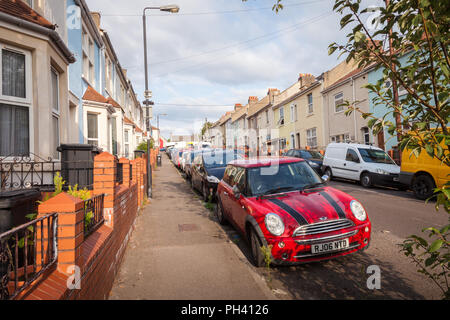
[
  {"x": 15, "y": 205},
  {"x": 159, "y": 160},
  {"x": 77, "y": 164}
]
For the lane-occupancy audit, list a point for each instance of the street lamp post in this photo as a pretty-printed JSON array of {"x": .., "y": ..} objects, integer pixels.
[{"x": 148, "y": 94}]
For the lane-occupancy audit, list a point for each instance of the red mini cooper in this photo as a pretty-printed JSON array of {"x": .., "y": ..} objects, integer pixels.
[{"x": 284, "y": 203}]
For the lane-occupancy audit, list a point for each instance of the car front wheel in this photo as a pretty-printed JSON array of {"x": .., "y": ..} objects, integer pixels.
[
  {"x": 366, "y": 180},
  {"x": 256, "y": 244}
]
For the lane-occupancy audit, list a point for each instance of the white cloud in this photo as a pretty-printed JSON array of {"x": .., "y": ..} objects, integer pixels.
[{"x": 224, "y": 76}]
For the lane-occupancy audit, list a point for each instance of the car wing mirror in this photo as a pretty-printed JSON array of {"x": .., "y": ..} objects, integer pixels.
[
  {"x": 236, "y": 192},
  {"x": 326, "y": 178}
]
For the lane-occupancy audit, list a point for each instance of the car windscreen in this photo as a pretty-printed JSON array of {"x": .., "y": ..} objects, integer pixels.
[
  {"x": 308, "y": 154},
  {"x": 219, "y": 159},
  {"x": 289, "y": 176},
  {"x": 375, "y": 156}
]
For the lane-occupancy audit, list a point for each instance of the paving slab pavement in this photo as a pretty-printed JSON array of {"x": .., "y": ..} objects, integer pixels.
[{"x": 178, "y": 251}]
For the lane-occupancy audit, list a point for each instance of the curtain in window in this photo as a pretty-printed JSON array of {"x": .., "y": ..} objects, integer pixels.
[
  {"x": 14, "y": 130},
  {"x": 13, "y": 74}
]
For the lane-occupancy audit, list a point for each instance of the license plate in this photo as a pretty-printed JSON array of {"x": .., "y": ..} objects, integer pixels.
[
  {"x": 396, "y": 179},
  {"x": 330, "y": 246}
]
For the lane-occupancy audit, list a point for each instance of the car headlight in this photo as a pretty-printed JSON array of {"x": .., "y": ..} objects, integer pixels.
[
  {"x": 381, "y": 171},
  {"x": 212, "y": 179},
  {"x": 274, "y": 224},
  {"x": 358, "y": 210}
]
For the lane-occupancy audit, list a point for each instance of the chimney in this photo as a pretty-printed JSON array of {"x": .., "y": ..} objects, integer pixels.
[
  {"x": 272, "y": 92},
  {"x": 237, "y": 106},
  {"x": 252, "y": 100},
  {"x": 305, "y": 79},
  {"x": 125, "y": 72},
  {"x": 96, "y": 16}
]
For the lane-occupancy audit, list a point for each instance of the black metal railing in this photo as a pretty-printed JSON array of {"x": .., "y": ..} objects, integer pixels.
[
  {"x": 93, "y": 214},
  {"x": 119, "y": 173},
  {"x": 32, "y": 171},
  {"x": 26, "y": 252}
]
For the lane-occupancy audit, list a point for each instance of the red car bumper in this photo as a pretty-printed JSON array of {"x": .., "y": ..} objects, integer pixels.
[{"x": 296, "y": 250}]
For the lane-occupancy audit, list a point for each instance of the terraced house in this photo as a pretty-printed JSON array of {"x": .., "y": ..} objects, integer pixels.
[{"x": 34, "y": 109}]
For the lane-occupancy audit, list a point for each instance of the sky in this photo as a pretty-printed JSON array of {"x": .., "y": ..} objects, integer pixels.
[{"x": 215, "y": 53}]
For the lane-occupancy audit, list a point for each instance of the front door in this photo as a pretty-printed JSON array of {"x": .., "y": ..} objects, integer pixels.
[{"x": 381, "y": 140}]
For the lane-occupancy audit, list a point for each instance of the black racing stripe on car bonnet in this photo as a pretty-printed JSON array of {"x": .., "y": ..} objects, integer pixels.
[
  {"x": 294, "y": 213},
  {"x": 336, "y": 207}
]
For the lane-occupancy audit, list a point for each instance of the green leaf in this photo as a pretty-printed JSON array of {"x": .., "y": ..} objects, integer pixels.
[{"x": 436, "y": 245}]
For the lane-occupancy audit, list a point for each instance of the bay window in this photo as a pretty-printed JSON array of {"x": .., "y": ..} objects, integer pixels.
[
  {"x": 15, "y": 101},
  {"x": 92, "y": 121}
]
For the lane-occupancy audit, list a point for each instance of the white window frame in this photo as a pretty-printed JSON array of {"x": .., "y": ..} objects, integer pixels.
[
  {"x": 126, "y": 143},
  {"x": 17, "y": 101},
  {"x": 336, "y": 100},
  {"x": 56, "y": 112},
  {"x": 88, "y": 51},
  {"x": 292, "y": 113},
  {"x": 310, "y": 109},
  {"x": 310, "y": 136},
  {"x": 98, "y": 131},
  {"x": 281, "y": 114}
]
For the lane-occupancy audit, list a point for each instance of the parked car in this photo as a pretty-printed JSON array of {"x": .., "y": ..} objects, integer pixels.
[
  {"x": 423, "y": 174},
  {"x": 291, "y": 209},
  {"x": 359, "y": 162},
  {"x": 208, "y": 168},
  {"x": 190, "y": 160},
  {"x": 184, "y": 157},
  {"x": 314, "y": 158}
]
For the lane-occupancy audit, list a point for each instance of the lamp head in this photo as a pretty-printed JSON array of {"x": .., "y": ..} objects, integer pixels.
[{"x": 172, "y": 8}]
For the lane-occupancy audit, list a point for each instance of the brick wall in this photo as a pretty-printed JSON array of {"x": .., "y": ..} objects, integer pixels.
[{"x": 100, "y": 254}]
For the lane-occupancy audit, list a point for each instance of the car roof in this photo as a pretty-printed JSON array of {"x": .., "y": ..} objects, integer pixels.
[
  {"x": 263, "y": 161},
  {"x": 355, "y": 145}
]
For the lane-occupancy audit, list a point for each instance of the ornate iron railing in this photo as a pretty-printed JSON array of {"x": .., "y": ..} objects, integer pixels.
[
  {"x": 119, "y": 173},
  {"x": 93, "y": 214},
  {"x": 26, "y": 252},
  {"x": 27, "y": 171},
  {"x": 32, "y": 171}
]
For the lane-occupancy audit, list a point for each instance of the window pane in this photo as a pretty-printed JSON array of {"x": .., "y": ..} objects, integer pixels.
[
  {"x": 13, "y": 74},
  {"x": 55, "y": 90},
  {"x": 55, "y": 123},
  {"x": 14, "y": 130},
  {"x": 92, "y": 126}
]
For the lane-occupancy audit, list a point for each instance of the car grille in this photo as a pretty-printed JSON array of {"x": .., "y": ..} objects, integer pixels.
[{"x": 323, "y": 227}]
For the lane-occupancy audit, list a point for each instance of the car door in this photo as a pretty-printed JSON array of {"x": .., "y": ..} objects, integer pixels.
[
  {"x": 226, "y": 191},
  {"x": 352, "y": 164},
  {"x": 237, "y": 208}
]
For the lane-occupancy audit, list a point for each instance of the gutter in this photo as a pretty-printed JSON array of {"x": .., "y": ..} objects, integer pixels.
[{"x": 52, "y": 34}]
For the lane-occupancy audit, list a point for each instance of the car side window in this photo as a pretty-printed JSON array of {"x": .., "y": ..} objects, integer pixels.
[
  {"x": 239, "y": 179},
  {"x": 352, "y": 156},
  {"x": 226, "y": 176}
]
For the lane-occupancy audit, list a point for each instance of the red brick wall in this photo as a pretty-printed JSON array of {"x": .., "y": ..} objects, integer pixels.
[{"x": 99, "y": 256}]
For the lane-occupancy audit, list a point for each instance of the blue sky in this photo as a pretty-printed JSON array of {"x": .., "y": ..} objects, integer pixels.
[{"x": 215, "y": 53}]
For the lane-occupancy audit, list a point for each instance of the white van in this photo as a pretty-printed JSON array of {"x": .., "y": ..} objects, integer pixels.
[{"x": 360, "y": 162}]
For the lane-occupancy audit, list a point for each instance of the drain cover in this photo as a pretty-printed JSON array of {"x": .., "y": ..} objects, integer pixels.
[{"x": 188, "y": 227}]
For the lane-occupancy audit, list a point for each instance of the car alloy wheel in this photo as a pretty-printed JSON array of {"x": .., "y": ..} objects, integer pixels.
[
  {"x": 423, "y": 187},
  {"x": 366, "y": 180},
  {"x": 255, "y": 243},
  {"x": 219, "y": 213}
]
